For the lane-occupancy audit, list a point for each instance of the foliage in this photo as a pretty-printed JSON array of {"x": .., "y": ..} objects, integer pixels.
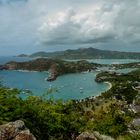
[
  {"x": 122, "y": 85},
  {"x": 60, "y": 120}
]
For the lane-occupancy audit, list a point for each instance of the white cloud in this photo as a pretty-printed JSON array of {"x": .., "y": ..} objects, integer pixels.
[
  {"x": 75, "y": 28},
  {"x": 105, "y": 21},
  {"x": 127, "y": 22}
]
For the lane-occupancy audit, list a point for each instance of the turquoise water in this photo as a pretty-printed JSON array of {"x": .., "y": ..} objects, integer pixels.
[
  {"x": 5, "y": 59},
  {"x": 110, "y": 61},
  {"x": 66, "y": 86},
  {"x": 114, "y": 61}
]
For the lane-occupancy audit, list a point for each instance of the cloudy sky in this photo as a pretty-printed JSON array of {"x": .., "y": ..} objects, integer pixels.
[{"x": 28, "y": 26}]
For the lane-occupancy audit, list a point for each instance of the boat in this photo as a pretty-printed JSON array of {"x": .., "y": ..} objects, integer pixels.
[
  {"x": 46, "y": 79},
  {"x": 98, "y": 70},
  {"x": 81, "y": 90}
]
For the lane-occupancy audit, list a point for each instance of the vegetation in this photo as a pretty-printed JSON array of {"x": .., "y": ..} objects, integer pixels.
[
  {"x": 128, "y": 65},
  {"x": 63, "y": 120},
  {"x": 109, "y": 114},
  {"x": 88, "y": 53},
  {"x": 122, "y": 85}
]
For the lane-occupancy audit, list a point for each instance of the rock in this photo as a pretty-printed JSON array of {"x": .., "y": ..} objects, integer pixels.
[
  {"x": 25, "y": 135},
  {"x": 86, "y": 136},
  {"x": 3, "y": 67},
  {"x": 15, "y": 131},
  {"x": 135, "y": 124},
  {"x": 93, "y": 136},
  {"x": 12, "y": 65},
  {"x": 135, "y": 108},
  {"x": 53, "y": 73}
]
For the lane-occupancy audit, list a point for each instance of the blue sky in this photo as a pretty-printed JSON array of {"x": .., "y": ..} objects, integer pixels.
[{"x": 28, "y": 26}]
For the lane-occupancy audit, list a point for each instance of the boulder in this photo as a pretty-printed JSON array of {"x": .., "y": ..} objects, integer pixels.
[
  {"x": 135, "y": 124},
  {"x": 15, "y": 131},
  {"x": 25, "y": 135},
  {"x": 86, "y": 136},
  {"x": 93, "y": 136}
]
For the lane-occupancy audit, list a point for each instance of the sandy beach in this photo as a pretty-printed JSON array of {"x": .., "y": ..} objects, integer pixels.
[{"x": 110, "y": 85}]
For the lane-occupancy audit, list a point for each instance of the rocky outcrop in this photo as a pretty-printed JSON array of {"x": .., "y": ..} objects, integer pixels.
[
  {"x": 53, "y": 73},
  {"x": 86, "y": 136},
  {"x": 135, "y": 124},
  {"x": 93, "y": 136},
  {"x": 3, "y": 67},
  {"x": 15, "y": 131}
]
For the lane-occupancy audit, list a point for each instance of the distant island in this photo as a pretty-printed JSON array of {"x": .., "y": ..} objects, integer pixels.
[
  {"x": 86, "y": 53},
  {"x": 22, "y": 55}
]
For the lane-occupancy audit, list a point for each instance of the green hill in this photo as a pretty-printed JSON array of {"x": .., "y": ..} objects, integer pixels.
[{"x": 88, "y": 53}]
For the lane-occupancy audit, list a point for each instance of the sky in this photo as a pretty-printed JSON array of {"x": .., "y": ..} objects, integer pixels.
[{"x": 28, "y": 26}]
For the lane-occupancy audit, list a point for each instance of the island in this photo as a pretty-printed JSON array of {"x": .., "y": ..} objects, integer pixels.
[
  {"x": 22, "y": 55},
  {"x": 84, "y": 53},
  {"x": 87, "y": 53}
]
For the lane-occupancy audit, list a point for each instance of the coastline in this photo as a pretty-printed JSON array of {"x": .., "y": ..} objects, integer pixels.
[
  {"x": 28, "y": 71},
  {"x": 109, "y": 83},
  {"x": 96, "y": 96},
  {"x": 107, "y": 87}
]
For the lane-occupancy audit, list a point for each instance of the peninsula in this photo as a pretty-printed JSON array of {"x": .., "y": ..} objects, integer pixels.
[{"x": 53, "y": 66}]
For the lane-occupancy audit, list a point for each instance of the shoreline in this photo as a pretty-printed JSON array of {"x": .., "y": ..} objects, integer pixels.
[
  {"x": 26, "y": 71},
  {"x": 89, "y": 97},
  {"x": 100, "y": 94},
  {"x": 110, "y": 84}
]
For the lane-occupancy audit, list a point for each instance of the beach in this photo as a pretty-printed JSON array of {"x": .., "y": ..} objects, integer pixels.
[{"x": 110, "y": 85}]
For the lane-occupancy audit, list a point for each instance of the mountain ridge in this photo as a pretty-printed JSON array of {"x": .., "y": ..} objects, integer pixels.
[{"x": 87, "y": 53}]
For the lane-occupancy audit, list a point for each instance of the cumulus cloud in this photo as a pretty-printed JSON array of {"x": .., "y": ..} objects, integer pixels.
[
  {"x": 19, "y": 20},
  {"x": 3, "y": 2},
  {"x": 127, "y": 21},
  {"x": 107, "y": 21},
  {"x": 75, "y": 28},
  {"x": 82, "y": 23}
]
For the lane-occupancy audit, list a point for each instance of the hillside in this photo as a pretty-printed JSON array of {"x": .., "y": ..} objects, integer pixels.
[
  {"x": 55, "y": 67},
  {"x": 88, "y": 53}
]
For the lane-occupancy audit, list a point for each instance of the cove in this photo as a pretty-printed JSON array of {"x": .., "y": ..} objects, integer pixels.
[{"x": 70, "y": 86}]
